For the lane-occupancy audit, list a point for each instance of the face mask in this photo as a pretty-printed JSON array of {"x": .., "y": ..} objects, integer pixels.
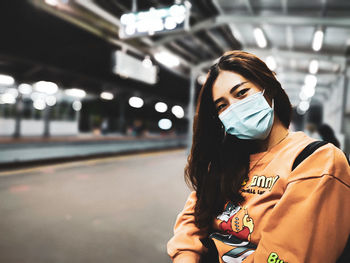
[{"x": 250, "y": 118}]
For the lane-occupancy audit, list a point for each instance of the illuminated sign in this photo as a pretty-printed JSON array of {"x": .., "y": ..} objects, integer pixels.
[
  {"x": 130, "y": 67},
  {"x": 154, "y": 21}
]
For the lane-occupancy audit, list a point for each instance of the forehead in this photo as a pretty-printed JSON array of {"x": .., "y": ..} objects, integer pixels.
[{"x": 225, "y": 81}]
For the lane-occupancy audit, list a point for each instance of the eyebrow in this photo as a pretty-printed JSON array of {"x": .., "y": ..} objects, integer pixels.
[{"x": 231, "y": 91}]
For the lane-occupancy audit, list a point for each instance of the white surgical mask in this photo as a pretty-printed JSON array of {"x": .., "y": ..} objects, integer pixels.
[{"x": 250, "y": 118}]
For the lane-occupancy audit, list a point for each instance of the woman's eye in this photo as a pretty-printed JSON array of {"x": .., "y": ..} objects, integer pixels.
[
  {"x": 241, "y": 92},
  {"x": 220, "y": 107}
]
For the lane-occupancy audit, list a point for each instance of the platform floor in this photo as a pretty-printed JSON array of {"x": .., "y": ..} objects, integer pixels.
[{"x": 117, "y": 209}]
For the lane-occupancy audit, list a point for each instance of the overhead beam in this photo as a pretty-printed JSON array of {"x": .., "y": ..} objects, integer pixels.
[
  {"x": 287, "y": 54},
  {"x": 232, "y": 18}
]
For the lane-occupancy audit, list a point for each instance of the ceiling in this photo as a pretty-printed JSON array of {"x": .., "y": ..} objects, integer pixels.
[{"x": 38, "y": 42}]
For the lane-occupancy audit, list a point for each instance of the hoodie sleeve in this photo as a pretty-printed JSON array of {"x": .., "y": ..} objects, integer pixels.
[
  {"x": 185, "y": 245},
  {"x": 311, "y": 222}
]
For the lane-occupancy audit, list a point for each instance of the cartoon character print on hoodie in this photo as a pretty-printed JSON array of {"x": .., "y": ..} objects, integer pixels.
[{"x": 236, "y": 226}]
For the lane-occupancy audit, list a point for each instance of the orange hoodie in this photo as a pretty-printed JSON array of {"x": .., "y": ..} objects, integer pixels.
[{"x": 298, "y": 216}]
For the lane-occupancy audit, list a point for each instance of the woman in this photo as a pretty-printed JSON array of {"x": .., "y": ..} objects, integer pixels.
[{"x": 246, "y": 198}]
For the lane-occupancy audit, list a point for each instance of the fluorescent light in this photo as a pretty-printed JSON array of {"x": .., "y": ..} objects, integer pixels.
[
  {"x": 78, "y": 93},
  {"x": 25, "y": 89},
  {"x": 76, "y": 105},
  {"x": 313, "y": 66},
  {"x": 165, "y": 124},
  {"x": 318, "y": 40},
  {"x": 167, "y": 59},
  {"x": 50, "y": 100},
  {"x": 161, "y": 107},
  {"x": 6, "y": 80},
  {"x": 178, "y": 111},
  {"x": 310, "y": 80},
  {"x": 136, "y": 102},
  {"x": 46, "y": 87},
  {"x": 39, "y": 104},
  {"x": 271, "y": 63},
  {"x": 260, "y": 37},
  {"x": 106, "y": 95}
]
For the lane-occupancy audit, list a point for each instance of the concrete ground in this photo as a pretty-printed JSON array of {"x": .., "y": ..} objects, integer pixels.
[{"x": 118, "y": 209}]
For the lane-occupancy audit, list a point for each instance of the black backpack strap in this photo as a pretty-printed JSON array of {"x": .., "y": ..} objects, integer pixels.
[{"x": 308, "y": 150}]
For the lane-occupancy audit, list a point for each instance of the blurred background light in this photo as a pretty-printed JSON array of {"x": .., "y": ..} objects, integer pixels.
[
  {"x": 46, "y": 87},
  {"x": 76, "y": 105},
  {"x": 201, "y": 79},
  {"x": 170, "y": 23},
  {"x": 39, "y": 104},
  {"x": 7, "y": 98},
  {"x": 271, "y": 63},
  {"x": 310, "y": 80},
  {"x": 37, "y": 95},
  {"x": 178, "y": 111},
  {"x": 107, "y": 95},
  {"x": 6, "y": 80},
  {"x": 25, "y": 89},
  {"x": 78, "y": 93},
  {"x": 50, "y": 100},
  {"x": 303, "y": 96},
  {"x": 128, "y": 19},
  {"x": 147, "y": 62},
  {"x": 165, "y": 124},
  {"x": 130, "y": 30},
  {"x": 12, "y": 91},
  {"x": 304, "y": 105},
  {"x": 313, "y": 66},
  {"x": 309, "y": 91},
  {"x": 317, "y": 40},
  {"x": 161, "y": 107},
  {"x": 260, "y": 37},
  {"x": 136, "y": 102},
  {"x": 167, "y": 59},
  {"x": 51, "y": 2}
]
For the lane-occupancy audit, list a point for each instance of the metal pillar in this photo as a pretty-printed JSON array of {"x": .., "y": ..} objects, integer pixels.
[
  {"x": 191, "y": 108},
  {"x": 345, "y": 93},
  {"x": 19, "y": 111},
  {"x": 344, "y": 117},
  {"x": 121, "y": 118},
  {"x": 47, "y": 121}
]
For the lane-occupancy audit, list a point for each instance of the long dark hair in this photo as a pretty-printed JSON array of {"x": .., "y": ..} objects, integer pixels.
[{"x": 218, "y": 164}]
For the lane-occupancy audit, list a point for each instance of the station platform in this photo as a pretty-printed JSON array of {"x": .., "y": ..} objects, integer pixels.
[
  {"x": 115, "y": 209},
  {"x": 29, "y": 150}
]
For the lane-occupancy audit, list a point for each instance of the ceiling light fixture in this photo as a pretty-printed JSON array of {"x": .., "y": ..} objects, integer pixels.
[
  {"x": 260, "y": 37},
  {"x": 318, "y": 40},
  {"x": 313, "y": 66},
  {"x": 167, "y": 59}
]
